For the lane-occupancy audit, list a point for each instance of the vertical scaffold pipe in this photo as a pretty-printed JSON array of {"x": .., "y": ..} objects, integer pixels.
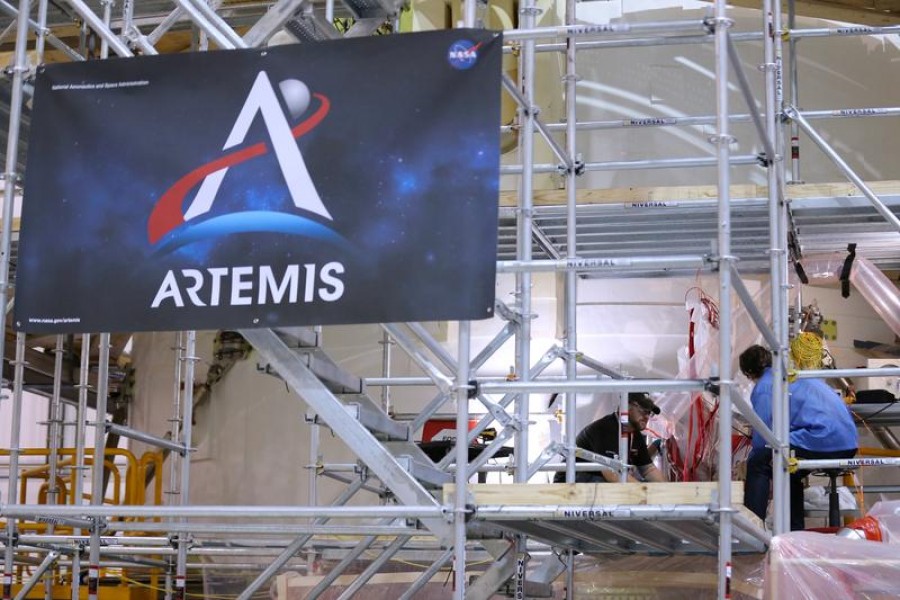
[
  {"x": 78, "y": 487},
  {"x": 776, "y": 243},
  {"x": 54, "y": 418},
  {"x": 523, "y": 239},
  {"x": 20, "y": 67},
  {"x": 98, "y": 488},
  {"x": 107, "y": 17},
  {"x": 175, "y": 421},
  {"x": 795, "y": 90},
  {"x": 777, "y": 259},
  {"x": 41, "y": 34},
  {"x": 190, "y": 351},
  {"x": 528, "y": 11},
  {"x": 462, "y": 460},
  {"x": 16, "y": 423},
  {"x": 722, "y": 141},
  {"x": 571, "y": 296},
  {"x": 462, "y": 421}
]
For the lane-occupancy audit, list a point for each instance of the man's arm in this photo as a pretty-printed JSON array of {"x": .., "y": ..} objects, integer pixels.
[
  {"x": 613, "y": 477},
  {"x": 651, "y": 473}
]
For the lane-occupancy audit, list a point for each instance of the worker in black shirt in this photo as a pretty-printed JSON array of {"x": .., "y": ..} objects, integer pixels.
[{"x": 602, "y": 437}]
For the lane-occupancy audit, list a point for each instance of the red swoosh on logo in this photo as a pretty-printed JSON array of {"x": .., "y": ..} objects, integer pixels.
[{"x": 167, "y": 214}]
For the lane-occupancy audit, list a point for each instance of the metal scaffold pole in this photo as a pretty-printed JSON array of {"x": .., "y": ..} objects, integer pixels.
[
  {"x": 462, "y": 421},
  {"x": 571, "y": 292},
  {"x": 523, "y": 237},
  {"x": 15, "y": 436},
  {"x": 78, "y": 470},
  {"x": 462, "y": 461},
  {"x": 19, "y": 69},
  {"x": 528, "y": 16},
  {"x": 98, "y": 487},
  {"x": 722, "y": 141},
  {"x": 190, "y": 359},
  {"x": 54, "y": 433},
  {"x": 777, "y": 255}
]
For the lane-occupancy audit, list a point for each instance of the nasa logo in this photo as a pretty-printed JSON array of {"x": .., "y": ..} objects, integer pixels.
[{"x": 463, "y": 54}]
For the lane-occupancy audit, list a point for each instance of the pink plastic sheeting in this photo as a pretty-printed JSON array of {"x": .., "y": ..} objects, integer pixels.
[
  {"x": 811, "y": 566},
  {"x": 871, "y": 283}
]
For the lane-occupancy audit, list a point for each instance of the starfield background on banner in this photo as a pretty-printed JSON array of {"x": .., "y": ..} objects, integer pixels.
[{"x": 351, "y": 181}]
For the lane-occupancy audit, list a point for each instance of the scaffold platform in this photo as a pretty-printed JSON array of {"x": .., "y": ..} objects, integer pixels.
[{"x": 618, "y": 518}]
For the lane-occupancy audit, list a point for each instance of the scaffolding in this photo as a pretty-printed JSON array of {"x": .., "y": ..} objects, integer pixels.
[{"x": 161, "y": 538}]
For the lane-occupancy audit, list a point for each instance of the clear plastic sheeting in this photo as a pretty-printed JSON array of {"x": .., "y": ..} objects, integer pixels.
[
  {"x": 871, "y": 283},
  {"x": 691, "y": 418},
  {"x": 683, "y": 577},
  {"x": 810, "y": 566},
  {"x": 881, "y": 524}
]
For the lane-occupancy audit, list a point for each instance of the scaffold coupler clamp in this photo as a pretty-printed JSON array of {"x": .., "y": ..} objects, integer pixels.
[
  {"x": 715, "y": 506},
  {"x": 712, "y": 386},
  {"x": 712, "y": 23},
  {"x": 468, "y": 511},
  {"x": 177, "y": 538},
  {"x": 531, "y": 10},
  {"x": 101, "y": 523},
  {"x": 12, "y": 69},
  {"x": 792, "y": 464},
  {"x": 579, "y": 167},
  {"x": 10, "y": 539},
  {"x": 763, "y": 160}
]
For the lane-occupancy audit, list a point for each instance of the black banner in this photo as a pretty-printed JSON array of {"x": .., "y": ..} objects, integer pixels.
[{"x": 351, "y": 181}]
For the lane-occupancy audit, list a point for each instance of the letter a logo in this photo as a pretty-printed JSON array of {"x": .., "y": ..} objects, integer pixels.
[{"x": 261, "y": 100}]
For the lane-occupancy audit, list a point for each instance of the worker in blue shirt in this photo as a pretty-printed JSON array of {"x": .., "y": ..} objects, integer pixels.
[{"x": 821, "y": 427}]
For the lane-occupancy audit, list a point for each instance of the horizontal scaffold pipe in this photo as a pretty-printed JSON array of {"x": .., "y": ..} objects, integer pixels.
[
  {"x": 852, "y": 113},
  {"x": 638, "y": 122},
  {"x": 106, "y": 540},
  {"x": 590, "y": 512},
  {"x": 671, "y": 40},
  {"x": 222, "y": 511},
  {"x": 545, "y": 467},
  {"x": 425, "y": 381},
  {"x": 194, "y": 566},
  {"x": 281, "y": 529},
  {"x": 605, "y": 264},
  {"x": 827, "y": 373},
  {"x": 674, "y": 40},
  {"x": 841, "y": 31},
  {"x": 846, "y": 463},
  {"x": 590, "y": 30},
  {"x": 634, "y": 165},
  {"x": 605, "y": 385}
]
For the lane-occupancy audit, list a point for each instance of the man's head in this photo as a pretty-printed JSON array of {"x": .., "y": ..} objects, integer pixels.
[
  {"x": 640, "y": 407},
  {"x": 754, "y": 361}
]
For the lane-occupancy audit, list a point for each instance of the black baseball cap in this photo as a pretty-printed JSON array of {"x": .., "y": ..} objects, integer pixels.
[{"x": 643, "y": 400}]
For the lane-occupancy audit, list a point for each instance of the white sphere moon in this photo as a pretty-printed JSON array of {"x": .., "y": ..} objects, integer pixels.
[{"x": 296, "y": 96}]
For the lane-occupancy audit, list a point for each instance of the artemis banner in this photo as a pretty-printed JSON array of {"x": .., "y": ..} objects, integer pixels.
[{"x": 351, "y": 181}]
